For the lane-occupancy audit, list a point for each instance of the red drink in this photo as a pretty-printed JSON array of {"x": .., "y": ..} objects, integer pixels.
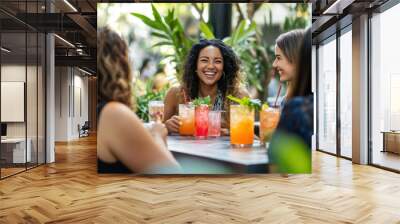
[{"x": 201, "y": 121}]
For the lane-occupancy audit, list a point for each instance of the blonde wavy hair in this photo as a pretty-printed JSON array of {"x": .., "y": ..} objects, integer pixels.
[{"x": 114, "y": 72}]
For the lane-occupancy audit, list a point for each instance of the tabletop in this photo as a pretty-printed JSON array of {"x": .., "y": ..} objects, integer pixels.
[{"x": 219, "y": 149}]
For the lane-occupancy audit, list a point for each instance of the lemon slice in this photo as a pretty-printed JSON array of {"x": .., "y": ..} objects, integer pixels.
[{"x": 265, "y": 106}]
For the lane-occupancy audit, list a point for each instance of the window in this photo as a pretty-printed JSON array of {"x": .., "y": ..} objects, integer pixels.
[
  {"x": 22, "y": 75},
  {"x": 327, "y": 96},
  {"x": 385, "y": 88},
  {"x": 346, "y": 94}
]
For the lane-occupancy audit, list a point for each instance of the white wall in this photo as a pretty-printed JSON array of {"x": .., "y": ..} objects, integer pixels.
[
  {"x": 61, "y": 103},
  {"x": 33, "y": 127},
  {"x": 71, "y": 94},
  {"x": 13, "y": 73}
]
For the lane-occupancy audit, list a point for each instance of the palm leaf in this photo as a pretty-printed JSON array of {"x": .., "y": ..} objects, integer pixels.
[
  {"x": 228, "y": 41},
  {"x": 236, "y": 34},
  {"x": 205, "y": 29},
  {"x": 146, "y": 20},
  {"x": 160, "y": 35},
  {"x": 158, "y": 19},
  {"x": 162, "y": 43},
  {"x": 247, "y": 33}
]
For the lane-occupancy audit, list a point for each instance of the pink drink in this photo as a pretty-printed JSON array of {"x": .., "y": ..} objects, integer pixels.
[
  {"x": 214, "y": 123},
  {"x": 201, "y": 121},
  {"x": 156, "y": 111}
]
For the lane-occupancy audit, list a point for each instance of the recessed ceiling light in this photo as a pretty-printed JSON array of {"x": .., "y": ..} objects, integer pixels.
[
  {"x": 84, "y": 71},
  {"x": 70, "y": 5},
  {"x": 337, "y": 7},
  {"x": 5, "y": 50},
  {"x": 65, "y": 41}
]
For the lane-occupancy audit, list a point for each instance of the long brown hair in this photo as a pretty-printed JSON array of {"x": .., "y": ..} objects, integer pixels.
[
  {"x": 302, "y": 81},
  {"x": 290, "y": 44},
  {"x": 114, "y": 72}
]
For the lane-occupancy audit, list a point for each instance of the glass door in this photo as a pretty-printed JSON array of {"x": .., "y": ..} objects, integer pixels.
[
  {"x": 385, "y": 89},
  {"x": 14, "y": 154},
  {"x": 327, "y": 96},
  {"x": 346, "y": 93}
]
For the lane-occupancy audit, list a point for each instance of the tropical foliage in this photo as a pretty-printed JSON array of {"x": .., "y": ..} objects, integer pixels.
[
  {"x": 247, "y": 39},
  {"x": 171, "y": 33},
  {"x": 142, "y": 100}
]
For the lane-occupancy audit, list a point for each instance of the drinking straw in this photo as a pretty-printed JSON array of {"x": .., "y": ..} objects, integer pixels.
[
  {"x": 184, "y": 96},
  {"x": 279, "y": 92}
]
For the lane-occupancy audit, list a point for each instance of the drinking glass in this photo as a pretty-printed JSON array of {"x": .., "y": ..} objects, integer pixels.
[
  {"x": 156, "y": 111},
  {"x": 214, "y": 123},
  {"x": 186, "y": 115},
  {"x": 241, "y": 126},
  {"x": 201, "y": 121},
  {"x": 269, "y": 119}
]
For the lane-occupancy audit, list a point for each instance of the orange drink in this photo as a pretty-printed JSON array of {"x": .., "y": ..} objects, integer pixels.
[
  {"x": 269, "y": 118},
  {"x": 186, "y": 115},
  {"x": 241, "y": 125}
]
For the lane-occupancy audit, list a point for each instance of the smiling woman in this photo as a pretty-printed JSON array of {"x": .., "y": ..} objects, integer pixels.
[
  {"x": 287, "y": 57},
  {"x": 211, "y": 69}
]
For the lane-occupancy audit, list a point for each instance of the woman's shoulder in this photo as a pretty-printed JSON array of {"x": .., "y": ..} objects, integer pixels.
[
  {"x": 175, "y": 89},
  {"x": 116, "y": 110},
  {"x": 174, "y": 92},
  {"x": 300, "y": 102},
  {"x": 174, "y": 95},
  {"x": 298, "y": 108}
]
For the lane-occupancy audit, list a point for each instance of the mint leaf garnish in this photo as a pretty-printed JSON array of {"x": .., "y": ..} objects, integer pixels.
[{"x": 246, "y": 101}]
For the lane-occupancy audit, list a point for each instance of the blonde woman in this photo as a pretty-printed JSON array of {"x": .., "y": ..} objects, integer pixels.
[{"x": 123, "y": 144}]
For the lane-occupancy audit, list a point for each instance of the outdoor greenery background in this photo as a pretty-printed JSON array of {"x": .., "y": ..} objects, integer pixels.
[{"x": 165, "y": 32}]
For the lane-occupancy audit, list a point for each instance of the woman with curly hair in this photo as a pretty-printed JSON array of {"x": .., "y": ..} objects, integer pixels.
[
  {"x": 124, "y": 145},
  {"x": 211, "y": 69}
]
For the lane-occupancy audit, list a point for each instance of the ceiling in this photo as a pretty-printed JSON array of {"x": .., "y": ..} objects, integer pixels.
[
  {"x": 328, "y": 16},
  {"x": 74, "y": 21}
]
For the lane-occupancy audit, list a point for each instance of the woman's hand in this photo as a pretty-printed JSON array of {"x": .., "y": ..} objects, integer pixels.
[
  {"x": 173, "y": 124},
  {"x": 159, "y": 130}
]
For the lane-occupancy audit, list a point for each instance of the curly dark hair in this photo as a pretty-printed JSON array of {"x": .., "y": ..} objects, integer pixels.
[{"x": 230, "y": 80}]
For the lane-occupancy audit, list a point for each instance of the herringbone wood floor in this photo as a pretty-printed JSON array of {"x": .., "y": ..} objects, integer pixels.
[{"x": 70, "y": 191}]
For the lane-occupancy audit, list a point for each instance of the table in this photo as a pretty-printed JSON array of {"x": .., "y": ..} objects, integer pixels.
[
  {"x": 216, "y": 156},
  {"x": 13, "y": 150},
  {"x": 391, "y": 141}
]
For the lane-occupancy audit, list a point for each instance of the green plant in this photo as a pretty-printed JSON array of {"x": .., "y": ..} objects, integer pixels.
[
  {"x": 245, "y": 101},
  {"x": 300, "y": 18},
  {"x": 142, "y": 109},
  {"x": 171, "y": 33},
  {"x": 247, "y": 40},
  {"x": 202, "y": 101}
]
